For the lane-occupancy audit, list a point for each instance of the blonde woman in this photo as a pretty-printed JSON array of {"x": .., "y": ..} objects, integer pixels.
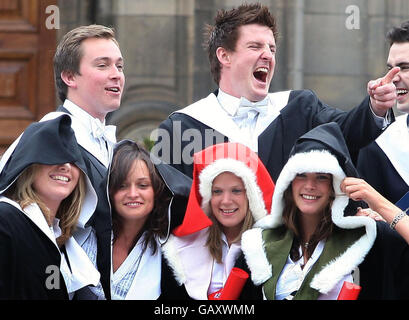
[
  {"x": 44, "y": 197},
  {"x": 231, "y": 190}
]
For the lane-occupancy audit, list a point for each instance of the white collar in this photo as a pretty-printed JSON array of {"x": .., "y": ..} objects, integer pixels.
[
  {"x": 81, "y": 114},
  {"x": 231, "y": 104},
  {"x": 228, "y": 102}
]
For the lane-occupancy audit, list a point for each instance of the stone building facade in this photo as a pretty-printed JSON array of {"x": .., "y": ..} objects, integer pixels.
[{"x": 330, "y": 47}]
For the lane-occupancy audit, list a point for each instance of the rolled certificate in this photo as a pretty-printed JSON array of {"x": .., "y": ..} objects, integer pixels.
[
  {"x": 233, "y": 286},
  {"x": 349, "y": 291}
]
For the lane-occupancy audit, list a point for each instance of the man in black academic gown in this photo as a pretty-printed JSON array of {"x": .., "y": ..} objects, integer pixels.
[
  {"x": 385, "y": 162},
  {"x": 241, "y": 48},
  {"x": 88, "y": 67},
  {"x": 88, "y": 70}
]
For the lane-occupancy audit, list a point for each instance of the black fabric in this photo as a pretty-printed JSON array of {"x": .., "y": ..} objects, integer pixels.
[
  {"x": 375, "y": 167},
  {"x": 26, "y": 253},
  {"x": 327, "y": 137},
  {"x": 384, "y": 274},
  {"x": 101, "y": 219},
  {"x": 303, "y": 112},
  {"x": 48, "y": 142},
  {"x": 171, "y": 290}
]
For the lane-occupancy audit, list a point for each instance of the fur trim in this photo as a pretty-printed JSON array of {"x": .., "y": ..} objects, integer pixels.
[
  {"x": 170, "y": 253},
  {"x": 254, "y": 194},
  {"x": 252, "y": 245},
  {"x": 334, "y": 271},
  {"x": 323, "y": 161},
  {"x": 313, "y": 161}
]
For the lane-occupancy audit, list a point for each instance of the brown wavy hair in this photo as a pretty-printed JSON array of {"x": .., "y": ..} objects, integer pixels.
[
  {"x": 156, "y": 224},
  {"x": 291, "y": 216}
]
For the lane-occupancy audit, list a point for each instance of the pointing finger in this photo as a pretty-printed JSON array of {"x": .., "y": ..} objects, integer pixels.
[{"x": 390, "y": 75}]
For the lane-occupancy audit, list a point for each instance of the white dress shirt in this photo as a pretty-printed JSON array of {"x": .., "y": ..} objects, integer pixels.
[
  {"x": 99, "y": 137},
  {"x": 260, "y": 122},
  {"x": 221, "y": 271},
  {"x": 294, "y": 273}
]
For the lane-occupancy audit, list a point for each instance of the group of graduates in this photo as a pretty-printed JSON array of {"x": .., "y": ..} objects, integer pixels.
[{"x": 279, "y": 198}]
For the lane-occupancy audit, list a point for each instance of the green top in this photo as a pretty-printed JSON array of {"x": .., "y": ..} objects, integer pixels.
[{"x": 278, "y": 243}]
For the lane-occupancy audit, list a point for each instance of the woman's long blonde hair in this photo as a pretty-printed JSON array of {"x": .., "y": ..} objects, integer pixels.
[
  {"x": 214, "y": 239},
  {"x": 68, "y": 212}
]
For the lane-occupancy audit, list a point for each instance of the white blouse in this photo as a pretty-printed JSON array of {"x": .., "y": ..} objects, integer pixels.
[
  {"x": 139, "y": 276},
  {"x": 221, "y": 271},
  {"x": 293, "y": 275}
]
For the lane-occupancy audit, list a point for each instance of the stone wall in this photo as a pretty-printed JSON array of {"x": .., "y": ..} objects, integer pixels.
[{"x": 166, "y": 67}]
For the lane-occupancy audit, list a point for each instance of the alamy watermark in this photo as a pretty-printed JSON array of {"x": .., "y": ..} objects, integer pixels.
[
  {"x": 53, "y": 17},
  {"x": 52, "y": 282},
  {"x": 179, "y": 146},
  {"x": 353, "y": 20}
]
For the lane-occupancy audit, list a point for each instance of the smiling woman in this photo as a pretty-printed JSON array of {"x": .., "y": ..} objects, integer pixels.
[
  {"x": 312, "y": 243},
  {"x": 44, "y": 197},
  {"x": 231, "y": 191},
  {"x": 148, "y": 198}
]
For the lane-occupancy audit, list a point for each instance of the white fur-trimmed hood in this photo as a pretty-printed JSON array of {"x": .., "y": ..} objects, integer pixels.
[
  {"x": 254, "y": 194},
  {"x": 312, "y": 161}
]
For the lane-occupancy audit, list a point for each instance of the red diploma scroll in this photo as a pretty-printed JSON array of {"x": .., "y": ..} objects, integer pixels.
[
  {"x": 349, "y": 291},
  {"x": 233, "y": 286}
]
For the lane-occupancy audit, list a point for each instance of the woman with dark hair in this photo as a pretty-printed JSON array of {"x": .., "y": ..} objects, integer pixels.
[
  {"x": 312, "y": 243},
  {"x": 44, "y": 196},
  {"x": 146, "y": 197}
]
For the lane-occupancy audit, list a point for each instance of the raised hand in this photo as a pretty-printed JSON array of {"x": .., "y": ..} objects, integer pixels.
[{"x": 382, "y": 92}]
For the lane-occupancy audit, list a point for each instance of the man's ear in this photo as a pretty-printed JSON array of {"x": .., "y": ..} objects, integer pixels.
[
  {"x": 69, "y": 78},
  {"x": 223, "y": 56}
]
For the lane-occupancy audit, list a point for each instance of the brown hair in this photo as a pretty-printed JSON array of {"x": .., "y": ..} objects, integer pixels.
[
  {"x": 214, "y": 238},
  {"x": 398, "y": 34},
  {"x": 68, "y": 54},
  {"x": 291, "y": 220},
  {"x": 68, "y": 212},
  {"x": 157, "y": 223},
  {"x": 224, "y": 33}
]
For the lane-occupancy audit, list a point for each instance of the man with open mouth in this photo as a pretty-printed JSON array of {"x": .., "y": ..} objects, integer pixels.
[
  {"x": 88, "y": 68},
  {"x": 384, "y": 163},
  {"x": 241, "y": 46}
]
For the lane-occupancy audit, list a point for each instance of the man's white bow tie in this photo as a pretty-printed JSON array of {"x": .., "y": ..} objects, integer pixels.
[
  {"x": 106, "y": 132},
  {"x": 246, "y": 106}
]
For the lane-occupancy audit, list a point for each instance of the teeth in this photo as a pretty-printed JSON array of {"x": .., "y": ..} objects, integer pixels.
[
  {"x": 133, "y": 204},
  {"x": 402, "y": 91},
  {"x": 61, "y": 178},
  {"x": 113, "y": 89},
  {"x": 265, "y": 70},
  {"x": 309, "y": 197},
  {"x": 228, "y": 211}
]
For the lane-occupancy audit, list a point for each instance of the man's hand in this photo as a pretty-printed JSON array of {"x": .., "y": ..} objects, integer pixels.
[{"x": 382, "y": 93}]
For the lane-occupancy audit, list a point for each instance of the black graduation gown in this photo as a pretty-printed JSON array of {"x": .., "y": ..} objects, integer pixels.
[
  {"x": 25, "y": 250},
  {"x": 303, "y": 112},
  {"x": 384, "y": 274},
  {"x": 101, "y": 220},
  {"x": 25, "y": 254},
  {"x": 375, "y": 167}
]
